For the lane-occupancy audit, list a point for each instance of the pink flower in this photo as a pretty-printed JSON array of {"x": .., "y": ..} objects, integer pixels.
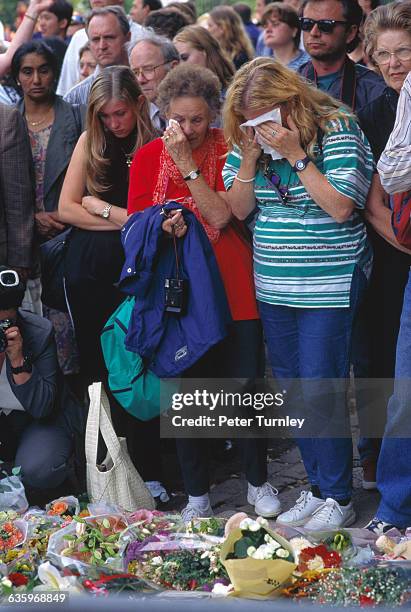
[{"x": 143, "y": 515}]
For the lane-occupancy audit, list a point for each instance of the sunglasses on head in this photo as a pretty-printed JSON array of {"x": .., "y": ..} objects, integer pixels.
[{"x": 326, "y": 26}]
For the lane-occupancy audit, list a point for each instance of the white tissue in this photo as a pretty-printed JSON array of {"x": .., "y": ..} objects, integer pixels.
[{"x": 272, "y": 115}]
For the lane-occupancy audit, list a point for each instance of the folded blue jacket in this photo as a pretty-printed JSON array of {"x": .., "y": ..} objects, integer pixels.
[{"x": 171, "y": 343}]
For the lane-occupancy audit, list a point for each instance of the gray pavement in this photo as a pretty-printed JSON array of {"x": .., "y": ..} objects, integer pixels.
[{"x": 287, "y": 474}]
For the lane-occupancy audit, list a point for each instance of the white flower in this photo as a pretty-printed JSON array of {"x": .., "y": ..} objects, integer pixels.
[
  {"x": 51, "y": 578},
  {"x": 282, "y": 553},
  {"x": 222, "y": 589},
  {"x": 205, "y": 554},
  {"x": 6, "y": 582},
  {"x": 157, "y": 560},
  {"x": 254, "y": 526},
  {"x": 263, "y": 552},
  {"x": 251, "y": 550},
  {"x": 299, "y": 544},
  {"x": 245, "y": 523},
  {"x": 315, "y": 564},
  {"x": 263, "y": 522},
  {"x": 271, "y": 541},
  {"x": 145, "y": 531},
  {"x": 80, "y": 529}
]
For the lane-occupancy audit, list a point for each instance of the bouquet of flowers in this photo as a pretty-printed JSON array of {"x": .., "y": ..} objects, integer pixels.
[
  {"x": 92, "y": 540},
  {"x": 65, "y": 507},
  {"x": 366, "y": 586},
  {"x": 182, "y": 562},
  {"x": 40, "y": 527},
  {"x": 257, "y": 559},
  {"x": 12, "y": 534}
]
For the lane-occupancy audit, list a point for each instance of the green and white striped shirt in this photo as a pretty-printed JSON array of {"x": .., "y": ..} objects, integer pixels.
[{"x": 302, "y": 256}]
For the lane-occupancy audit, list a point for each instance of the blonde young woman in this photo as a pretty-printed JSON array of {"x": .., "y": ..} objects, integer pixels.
[
  {"x": 311, "y": 259},
  {"x": 94, "y": 201},
  {"x": 195, "y": 45},
  {"x": 228, "y": 29}
]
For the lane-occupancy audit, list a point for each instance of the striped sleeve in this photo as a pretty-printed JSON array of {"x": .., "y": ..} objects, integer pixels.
[
  {"x": 231, "y": 167},
  {"x": 394, "y": 165},
  {"x": 348, "y": 161}
]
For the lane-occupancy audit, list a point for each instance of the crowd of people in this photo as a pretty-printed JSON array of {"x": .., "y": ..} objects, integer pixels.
[{"x": 283, "y": 139}]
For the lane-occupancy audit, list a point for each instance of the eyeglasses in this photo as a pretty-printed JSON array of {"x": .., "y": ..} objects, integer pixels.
[
  {"x": 326, "y": 26},
  {"x": 147, "y": 71},
  {"x": 382, "y": 57},
  {"x": 9, "y": 278}
]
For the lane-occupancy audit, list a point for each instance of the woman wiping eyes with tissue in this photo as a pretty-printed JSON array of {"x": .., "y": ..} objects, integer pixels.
[{"x": 304, "y": 162}]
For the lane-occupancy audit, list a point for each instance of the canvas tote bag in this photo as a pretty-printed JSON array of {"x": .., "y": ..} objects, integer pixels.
[{"x": 119, "y": 483}]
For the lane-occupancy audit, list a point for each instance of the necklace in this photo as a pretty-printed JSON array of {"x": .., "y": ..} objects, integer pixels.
[
  {"x": 129, "y": 158},
  {"x": 37, "y": 123}
]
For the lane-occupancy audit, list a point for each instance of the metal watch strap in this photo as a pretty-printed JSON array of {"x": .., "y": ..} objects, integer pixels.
[{"x": 189, "y": 177}]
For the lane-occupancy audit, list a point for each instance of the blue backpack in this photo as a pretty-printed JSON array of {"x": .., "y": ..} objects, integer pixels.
[{"x": 136, "y": 388}]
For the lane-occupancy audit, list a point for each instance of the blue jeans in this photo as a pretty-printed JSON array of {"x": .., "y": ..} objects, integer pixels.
[
  {"x": 394, "y": 463},
  {"x": 315, "y": 343}
]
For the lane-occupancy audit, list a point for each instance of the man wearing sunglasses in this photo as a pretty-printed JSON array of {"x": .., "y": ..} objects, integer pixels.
[{"x": 330, "y": 30}]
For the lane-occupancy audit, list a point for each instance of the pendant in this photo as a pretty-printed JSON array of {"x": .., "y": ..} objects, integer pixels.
[{"x": 129, "y": 161}]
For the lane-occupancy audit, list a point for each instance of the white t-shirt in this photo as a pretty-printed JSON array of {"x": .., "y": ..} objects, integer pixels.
[
  {"x": 70, "y": 71},
  {"x": 8, "y": 401}
]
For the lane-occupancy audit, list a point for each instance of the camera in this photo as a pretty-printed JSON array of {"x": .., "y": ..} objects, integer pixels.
[
  {"x": 4, "y": 325},
  {"x": 176, "y": 295}
]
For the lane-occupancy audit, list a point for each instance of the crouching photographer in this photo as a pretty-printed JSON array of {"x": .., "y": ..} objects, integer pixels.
[{"x": 33, "y": 434}]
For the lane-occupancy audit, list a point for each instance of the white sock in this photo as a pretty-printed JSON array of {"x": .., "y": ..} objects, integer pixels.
[
  {"x": 252, "y": 488},
  {"x": 200, "y": 501}
]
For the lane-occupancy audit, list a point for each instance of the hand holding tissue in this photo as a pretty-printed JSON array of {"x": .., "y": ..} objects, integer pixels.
[{"x": 273, "y": 115}]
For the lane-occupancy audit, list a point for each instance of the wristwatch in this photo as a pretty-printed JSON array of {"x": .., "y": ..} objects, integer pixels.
[
  {"x": 26, "y": 367},
  {"x": 191, "y": 176},
  {"x": 301, "y": 164},
  {"x": 105, "y": 213}
]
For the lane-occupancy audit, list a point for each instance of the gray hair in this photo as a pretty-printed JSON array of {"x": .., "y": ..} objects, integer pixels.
[
  {"x": 190, "y": 81},
  {"x": 117, "y": 11},
  {"x": 167, "y": 48}
]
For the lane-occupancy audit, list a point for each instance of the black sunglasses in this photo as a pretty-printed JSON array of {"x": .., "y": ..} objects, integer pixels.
[{"x": 326, "y": 26}]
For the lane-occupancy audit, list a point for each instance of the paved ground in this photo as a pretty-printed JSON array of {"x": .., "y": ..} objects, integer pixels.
[{"x": 287, "y": 474}]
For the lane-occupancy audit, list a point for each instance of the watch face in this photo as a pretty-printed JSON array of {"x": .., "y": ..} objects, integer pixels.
[
  {"x": 300, "y": 164},
  {"x": 193, "y": 175},
  {"x": 105, "y": 214}
]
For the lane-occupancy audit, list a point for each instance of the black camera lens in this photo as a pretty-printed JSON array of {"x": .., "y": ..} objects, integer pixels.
[
  {"x": 8, "y": 279},
  {"x": 3, "y": 341}
]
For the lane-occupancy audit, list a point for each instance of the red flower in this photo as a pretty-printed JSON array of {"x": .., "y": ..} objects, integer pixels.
[
  {"x": 330, "y": 558},
  {"x": 18, "y": 579},
  {"x": 192, "y": 585},
  {"x": 366, "y": 601}
]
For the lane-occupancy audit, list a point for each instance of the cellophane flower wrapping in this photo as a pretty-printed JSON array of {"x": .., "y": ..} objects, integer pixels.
[
  {"x": 178, "y": 561},
  {"x": 94, "y": 540}
]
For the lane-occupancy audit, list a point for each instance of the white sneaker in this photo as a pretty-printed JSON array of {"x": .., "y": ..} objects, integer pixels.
[
  {"x": 264, "y": 499},
  {"x": 193, "y": 511},
  {"x": 303, "y": 510},
  {"x": 330, "y": 515}
]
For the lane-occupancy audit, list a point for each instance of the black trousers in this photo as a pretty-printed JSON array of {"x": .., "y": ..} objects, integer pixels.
[
  {"x": 42, "y": 449},
  {"x": 240, "y": 355}
]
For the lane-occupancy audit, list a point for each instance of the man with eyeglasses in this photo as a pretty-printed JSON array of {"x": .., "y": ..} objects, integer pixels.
[
  {"x": 330, "y": 30},
  {"x": 151, "y": 59}
]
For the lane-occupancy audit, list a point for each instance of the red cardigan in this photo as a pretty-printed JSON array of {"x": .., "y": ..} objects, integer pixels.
[{"x": 232, "y": 249}]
